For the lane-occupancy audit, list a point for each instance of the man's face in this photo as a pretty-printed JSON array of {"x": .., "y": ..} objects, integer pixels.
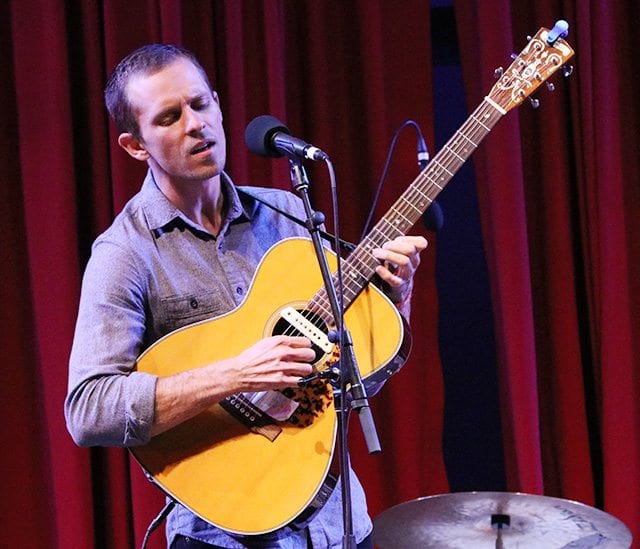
[{"x": 180, "y": 124}]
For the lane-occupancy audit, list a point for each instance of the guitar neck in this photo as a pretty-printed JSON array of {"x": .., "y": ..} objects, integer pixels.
[
  {"x": 359, "y": 268},
  {"x": 545, "y": 53}
]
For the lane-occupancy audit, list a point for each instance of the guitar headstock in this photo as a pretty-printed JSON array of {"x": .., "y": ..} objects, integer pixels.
[{"x": 545, "y": 53}]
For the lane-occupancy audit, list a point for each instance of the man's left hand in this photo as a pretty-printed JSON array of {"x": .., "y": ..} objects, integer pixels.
[{"x": 400, "y": 258}]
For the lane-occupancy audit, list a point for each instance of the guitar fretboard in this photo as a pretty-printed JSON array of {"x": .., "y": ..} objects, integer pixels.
[{"x": 359, "y": 268}]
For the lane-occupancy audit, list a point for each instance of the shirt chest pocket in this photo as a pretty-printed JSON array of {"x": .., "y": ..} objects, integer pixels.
[{"x": 183, "y": 310}]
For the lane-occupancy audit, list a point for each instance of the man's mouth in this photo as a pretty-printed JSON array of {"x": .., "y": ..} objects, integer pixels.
[{"x": 201, "y": 148}]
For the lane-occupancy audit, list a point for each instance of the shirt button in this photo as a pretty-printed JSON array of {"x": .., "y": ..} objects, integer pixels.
[
  {"x": 239, "y": 290},
  {"x": 193, "y": 303}
]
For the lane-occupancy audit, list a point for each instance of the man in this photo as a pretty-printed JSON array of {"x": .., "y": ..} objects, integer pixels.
[{"x": 185, "y": 249}]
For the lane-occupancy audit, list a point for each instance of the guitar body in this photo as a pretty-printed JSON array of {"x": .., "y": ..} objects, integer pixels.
[{"x": 215, "y": 465}]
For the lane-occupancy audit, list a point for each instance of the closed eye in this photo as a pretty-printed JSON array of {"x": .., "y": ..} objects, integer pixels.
[
  {"x": 167, "y": 118},
  {"x": 200, "y": 105}
]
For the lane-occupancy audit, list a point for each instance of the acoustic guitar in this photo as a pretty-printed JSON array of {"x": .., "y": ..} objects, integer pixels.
[{"x": 254, "y": 463}]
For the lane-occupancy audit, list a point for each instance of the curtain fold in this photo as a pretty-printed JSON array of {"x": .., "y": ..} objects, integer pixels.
[
  {"x": 43, "y": 150},
  {"x": 485, "y": 37},
  {"x": 570, "y": 272}
]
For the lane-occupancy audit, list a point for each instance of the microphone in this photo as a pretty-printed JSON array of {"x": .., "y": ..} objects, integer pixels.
[
  {"x": 423, "y": 152},
  {"x": 267, "y": 136}
]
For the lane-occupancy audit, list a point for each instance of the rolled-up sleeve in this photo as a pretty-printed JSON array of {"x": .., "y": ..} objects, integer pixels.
[{"x": 109, "y": 403}]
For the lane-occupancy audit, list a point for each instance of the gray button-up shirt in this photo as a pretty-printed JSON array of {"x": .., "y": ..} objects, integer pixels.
[{"x": 154, "y": 271}]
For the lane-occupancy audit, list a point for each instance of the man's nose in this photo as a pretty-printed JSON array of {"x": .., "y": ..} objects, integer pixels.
[{"x": 194, "y": 121}]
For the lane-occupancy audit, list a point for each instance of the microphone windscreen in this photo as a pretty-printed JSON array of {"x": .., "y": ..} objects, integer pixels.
[{"x": 259, "y": 133}]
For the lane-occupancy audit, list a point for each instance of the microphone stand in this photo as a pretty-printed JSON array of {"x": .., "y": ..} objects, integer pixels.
[{"x": 350, "y": 381}]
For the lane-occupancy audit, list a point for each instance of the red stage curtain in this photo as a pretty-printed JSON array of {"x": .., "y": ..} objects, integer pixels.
[
  {"x": 558, "y": 189},
  {"x": 343, "y": 75}
]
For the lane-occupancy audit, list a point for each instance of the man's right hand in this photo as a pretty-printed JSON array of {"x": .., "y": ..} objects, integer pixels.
[{"x": 273, "y": 363}]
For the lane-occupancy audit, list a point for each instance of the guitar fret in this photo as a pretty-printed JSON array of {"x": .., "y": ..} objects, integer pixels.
[
  {"x": 320, "y": 306},
  {"x": 396, "y": 210},
  {"x": 355, "y": 271},
  {"x": 410, "y": 204},
  {"x": 436, "y": 184},
  {"x": 456, "y": 154},
  {"x": 469, "y": 140},
  {"x": 420, "y": 201},
  {"x": 423, "y": 195},
  {"x": 378, "y": 229},
  {"x": 443, "y": 167},
  {"x": 481, "y": 123}
]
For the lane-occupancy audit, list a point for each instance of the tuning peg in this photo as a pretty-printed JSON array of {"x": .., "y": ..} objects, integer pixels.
[
  {"x": 535, "y": 103},
  {"x": 514, "y": 56},
  {"x": 550, "y": 86},
  {"x": 498, "y": 73},
  {"x": 529, "y": 38},
  {"x": 567, "y": 70},
  {"x": 559, "y": 30}
]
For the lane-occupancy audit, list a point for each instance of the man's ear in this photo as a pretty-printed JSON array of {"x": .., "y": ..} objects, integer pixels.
[{"x": 133, "y": 146}]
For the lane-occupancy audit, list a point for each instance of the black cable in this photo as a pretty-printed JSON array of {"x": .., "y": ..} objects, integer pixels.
[
  {"x": 423, "y": 157},
  {"x": 344, "y": 245},
  {"x": 157, "y": 521}
]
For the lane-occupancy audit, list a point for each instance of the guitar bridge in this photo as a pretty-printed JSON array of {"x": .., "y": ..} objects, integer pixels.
[{"x": 252, "y": 417}]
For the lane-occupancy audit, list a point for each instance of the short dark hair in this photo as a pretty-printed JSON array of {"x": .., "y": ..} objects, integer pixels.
[{"x": 146, "y": 60}]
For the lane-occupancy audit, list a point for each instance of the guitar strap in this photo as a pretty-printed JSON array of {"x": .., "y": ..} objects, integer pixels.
[{"x": 347, "y": 246}]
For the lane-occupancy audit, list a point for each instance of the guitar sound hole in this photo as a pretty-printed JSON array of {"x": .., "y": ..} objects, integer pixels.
[{"x": 283, "y": 327}]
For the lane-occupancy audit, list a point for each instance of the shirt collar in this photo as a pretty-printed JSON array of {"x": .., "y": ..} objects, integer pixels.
[{"x": 160, "y": 212}]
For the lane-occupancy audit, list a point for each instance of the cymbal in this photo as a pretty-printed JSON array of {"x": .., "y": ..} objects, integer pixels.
[{"x": 497, "y": 520}]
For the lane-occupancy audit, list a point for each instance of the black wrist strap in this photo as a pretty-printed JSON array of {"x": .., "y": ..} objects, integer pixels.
[{"x": 347, "y": 246}]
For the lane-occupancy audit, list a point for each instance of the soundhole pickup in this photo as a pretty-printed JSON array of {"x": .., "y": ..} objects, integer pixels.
[{"x": 302, "y": 322}]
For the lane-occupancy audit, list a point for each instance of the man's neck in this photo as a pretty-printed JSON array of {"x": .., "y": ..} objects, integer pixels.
[{"x": 202, "y": 202}]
